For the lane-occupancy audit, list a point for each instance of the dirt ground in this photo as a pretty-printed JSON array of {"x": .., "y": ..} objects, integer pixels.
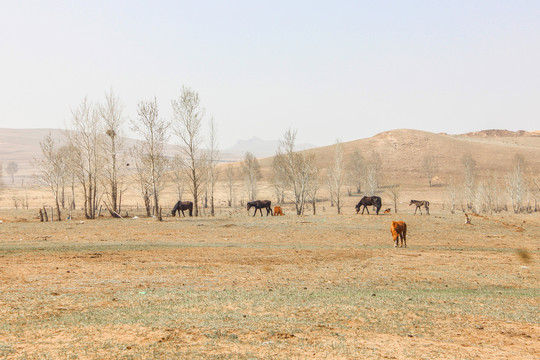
[{"x": 241, "y": 287}]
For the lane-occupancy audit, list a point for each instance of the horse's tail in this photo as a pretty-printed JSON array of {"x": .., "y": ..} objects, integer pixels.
[{"x": 190, "y": 209}]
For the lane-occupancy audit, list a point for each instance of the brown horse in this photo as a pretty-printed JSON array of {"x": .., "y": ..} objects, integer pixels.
[
  {"x": 399, "y": 230},
  {"x": 387, "y": 210},
  {"x": 419, "y": 204},
  {"x": 278, "y": 211},
  {"x": 259, "y": 205}
]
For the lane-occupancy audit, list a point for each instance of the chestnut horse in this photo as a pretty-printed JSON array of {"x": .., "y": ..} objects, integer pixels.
[
  {"x": 399, "y": 230},
  {"x": 278, "y": 211},
  {"x": 259, "y": 205}
]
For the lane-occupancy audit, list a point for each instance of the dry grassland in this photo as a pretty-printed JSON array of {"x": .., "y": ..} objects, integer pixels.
[{"x": 242, "y": 287}]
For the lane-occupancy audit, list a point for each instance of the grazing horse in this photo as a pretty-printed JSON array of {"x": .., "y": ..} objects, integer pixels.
[
  {"x": 181, "y": 206},
  {"x": 419, "y": 204},
  {"x": 259, "y": 205},
  {"x": 278, "y": 211},
  {"x": 369, "y": 201},
  {"x": 387, "y": 210},
  {"x": 399, "y": 230}
]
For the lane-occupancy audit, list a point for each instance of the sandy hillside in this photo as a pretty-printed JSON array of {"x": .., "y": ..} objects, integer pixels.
[{"x": 402, "y": 152}]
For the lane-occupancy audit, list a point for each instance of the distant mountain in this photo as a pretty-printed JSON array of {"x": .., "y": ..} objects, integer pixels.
[
  {"x": 260, "y": 148},
  {"x": 22, "y": 146}
]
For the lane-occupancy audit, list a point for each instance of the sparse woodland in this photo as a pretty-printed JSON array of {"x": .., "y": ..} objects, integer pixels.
[{"x": 93, "y": 170}]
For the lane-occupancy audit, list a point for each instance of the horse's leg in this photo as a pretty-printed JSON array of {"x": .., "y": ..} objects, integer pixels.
[
  {"x": 260, "y": 209},
  {"x": 427, "y": 209}
]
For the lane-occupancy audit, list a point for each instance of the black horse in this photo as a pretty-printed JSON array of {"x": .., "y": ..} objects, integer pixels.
[
  {"x": 181, "y": 206},
  {"x": 259, "y": 205},
  {"x": 369, "y": 201}
]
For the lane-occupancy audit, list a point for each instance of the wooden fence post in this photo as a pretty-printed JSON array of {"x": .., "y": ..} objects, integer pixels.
[{"x": 46, "y": 217}]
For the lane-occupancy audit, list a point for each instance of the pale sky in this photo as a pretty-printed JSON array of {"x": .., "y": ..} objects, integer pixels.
[{"x": 330, "y": 69}]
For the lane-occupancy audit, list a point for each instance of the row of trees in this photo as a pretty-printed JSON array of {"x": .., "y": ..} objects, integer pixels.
[
  {"x": 296, "y": 176},
  {"x": 95, "y": 156},
  {"x": 487, "y": 195}
]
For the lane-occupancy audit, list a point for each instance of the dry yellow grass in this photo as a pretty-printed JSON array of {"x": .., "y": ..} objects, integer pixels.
[{"x": 243, "y": 287}]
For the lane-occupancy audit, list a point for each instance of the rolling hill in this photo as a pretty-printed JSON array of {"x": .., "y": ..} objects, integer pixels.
[{"x": 401, "y": 151}]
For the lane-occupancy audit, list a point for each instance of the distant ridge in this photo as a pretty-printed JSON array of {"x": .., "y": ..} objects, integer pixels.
[{"x": 501, "y": 133}]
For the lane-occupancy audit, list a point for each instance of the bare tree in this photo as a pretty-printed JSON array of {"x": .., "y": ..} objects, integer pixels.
[
  {"x": 11, "y": 169},
  {"x": 373, "y": 168},
  {"x": 430, "y": 167},
  {"x": 188, "y": 115},
  {"x": 279, "y": 180},
  {"x": 395, "y": 192},
  {"x": 71, "y": 156},
  {"x": 229, "y": 183},
  {"x": 452, "y": 195},
  {"x": 213, "y": 158},
  {"x": 299, "y": 169},
  {"x": 87, "y": 159},
  {"x": 178, "y": 172},
  {"x": 154, "y": 132},
  {"x": 312, "y": 189},
  {"x": 112, "y": 119},
  {"x": 469, "y": 170},
  {"x": 142, "y": 176},
  {"x": 50, "y": 170},
  {"x": 534, "y": 179},
  {"x": 487, "y": 195},
  {"x": 252, "y": 172},
  {"x": 515, "y": 183},
  {"x": 67, "y": 175},
  {"x": 357, "y": 170},
  {"x": 336, "y": 175}
]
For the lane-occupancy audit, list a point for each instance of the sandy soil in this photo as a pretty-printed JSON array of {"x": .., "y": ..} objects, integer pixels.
[{"x": 323, "y": 287}]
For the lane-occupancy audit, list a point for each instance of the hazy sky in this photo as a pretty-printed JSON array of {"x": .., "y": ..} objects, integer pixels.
[{"x": 330, "y": 69}]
